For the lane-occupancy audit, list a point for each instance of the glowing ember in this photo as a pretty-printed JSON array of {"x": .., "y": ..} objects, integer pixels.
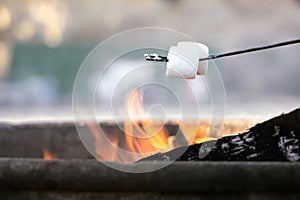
[{"x": 48, "y": 155}]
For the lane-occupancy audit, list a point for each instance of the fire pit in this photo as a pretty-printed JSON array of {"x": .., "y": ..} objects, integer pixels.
[
  {"x": 76, "y": 179},
  {"x": 48, "y": 160}
]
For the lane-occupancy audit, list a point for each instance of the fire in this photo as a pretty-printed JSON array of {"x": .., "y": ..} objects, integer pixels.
[
  {"x": 49, "y": 156},
  {"x": 105, "y": 146},
  {"x": 141, "y": 136},
  {"x": 194, "y": 134}
]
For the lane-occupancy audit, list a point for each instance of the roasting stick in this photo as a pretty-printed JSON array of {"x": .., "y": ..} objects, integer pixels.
[{"x": 157, "y": 58}]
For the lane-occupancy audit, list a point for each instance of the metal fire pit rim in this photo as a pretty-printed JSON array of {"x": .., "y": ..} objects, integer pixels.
[
  {"x": 71, "y": 123},
  {"x": 191, "y": 163},
  {"x": 199, "y": 177}
]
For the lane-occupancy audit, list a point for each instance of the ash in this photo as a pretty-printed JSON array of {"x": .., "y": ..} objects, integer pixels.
[{"x": 277, "y": 139}]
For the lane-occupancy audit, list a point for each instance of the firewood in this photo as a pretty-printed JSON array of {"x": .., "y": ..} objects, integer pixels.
[{"x": 277, "y": 139}]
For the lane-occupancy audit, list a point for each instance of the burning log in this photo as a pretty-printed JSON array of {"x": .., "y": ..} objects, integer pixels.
[{"x": 277, "y": 139}]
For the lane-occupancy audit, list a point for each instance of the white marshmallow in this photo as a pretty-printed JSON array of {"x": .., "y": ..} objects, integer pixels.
[
  {"x": 202, "y": 51},
  {"x": 182, "y": 63},
  {"x": 184, "y": 60}
]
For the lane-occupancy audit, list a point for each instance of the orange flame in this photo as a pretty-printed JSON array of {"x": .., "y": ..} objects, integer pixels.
[
  {"x": 49, "y": 156},
  {"x": 104, "y": 150},
  {"x": 141, "y": 136}
]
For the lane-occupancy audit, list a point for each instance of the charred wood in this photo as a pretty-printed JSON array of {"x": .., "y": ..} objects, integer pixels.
[{"x": 277, "y": 139}]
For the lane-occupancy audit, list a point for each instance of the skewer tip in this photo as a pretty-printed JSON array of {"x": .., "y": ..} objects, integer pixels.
[{"x": 155, "y": 57}]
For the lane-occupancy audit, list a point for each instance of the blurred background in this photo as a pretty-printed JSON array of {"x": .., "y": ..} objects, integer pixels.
[{"x": 43, "y": 43}]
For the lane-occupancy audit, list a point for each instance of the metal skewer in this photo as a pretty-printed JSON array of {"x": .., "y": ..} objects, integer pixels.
[{"x": 155, "y": 57}]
